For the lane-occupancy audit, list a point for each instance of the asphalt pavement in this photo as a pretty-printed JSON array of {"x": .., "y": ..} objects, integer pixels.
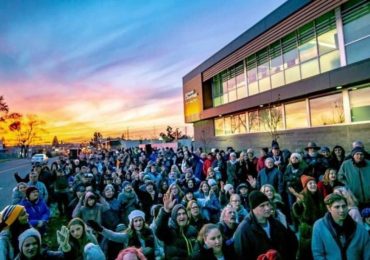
[{"x": 7, "y": 180}]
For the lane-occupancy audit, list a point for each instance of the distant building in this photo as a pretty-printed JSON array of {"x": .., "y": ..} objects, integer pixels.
[{"x": 306, "y": 66}]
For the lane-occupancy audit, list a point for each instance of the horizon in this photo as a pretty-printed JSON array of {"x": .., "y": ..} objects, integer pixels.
[{"x": 111, "y": 67}]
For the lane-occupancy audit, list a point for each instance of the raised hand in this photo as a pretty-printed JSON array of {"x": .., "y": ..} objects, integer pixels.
[
  {"x": 168, "y": 202},
  {"x": 63, "y": 239},
  {"x": 252, "y": 181}
]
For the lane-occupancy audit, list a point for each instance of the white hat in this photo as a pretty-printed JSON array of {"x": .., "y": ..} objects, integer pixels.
[
  {"x": 136, "y": 213},
  {"x": 228, "y": 187}
]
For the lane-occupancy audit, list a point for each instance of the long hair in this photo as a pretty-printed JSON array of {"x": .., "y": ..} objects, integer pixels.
[
  {"x": 326, "y": 179},
  {"x": 205, "y": 230}
]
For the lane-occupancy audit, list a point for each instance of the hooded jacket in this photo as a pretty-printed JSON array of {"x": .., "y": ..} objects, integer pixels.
[
  {"x": 178, "y": 241},
  {"x": 36, "y": 211},
  {"x": 326, "y": 243}
]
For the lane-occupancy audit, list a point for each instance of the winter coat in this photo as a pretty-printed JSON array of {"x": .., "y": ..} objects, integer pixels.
[
  {"x": 36, "y": 211},
  {"x": 43, "y": 192},
  {"x": 327, "y": 189},
  {"x": 210, "y": 206},
  {"x": 231, "y": 168},
  {"x": 178, "y": 242},
  {"x": 9, "y": 240},
  {"x": 357, "y": 178},
  {"x": 17, "y": 196},
  {"x": 292, "y": 176},
  {"x": 271, "y": 176},
  {"x": 128, "y": 202},
  {"x": 95, "y": 212},
  {"x": 326, "y": 243},
  {"x": 307, "y": 211},
  {"x": 250, "y": 239}
]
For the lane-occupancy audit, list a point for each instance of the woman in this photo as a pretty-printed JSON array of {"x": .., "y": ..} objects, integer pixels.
[
  {"x": 208, "y": 202},
  {"x": 137, "y": 235},
  {"x": 292, "y": 176},
  {"x": 76, "y": 236},
  {"x": 13, "y": 221},
  {"x": 195, "y": 217},
  {"x": 211, "y": 244},
  {"x": 352, "y": 203},
  {"x": 19, "y": 192},
  {"x": 308, "y": 208},
  {"x": 219, "y": 167},
  {"x": 110, "y": 217},
  {"x": 276, "y": 202},
  {"x": 329, "y": 182},
  {"x": 337, "y": 157},
  {"x": 30, "y": 247}
]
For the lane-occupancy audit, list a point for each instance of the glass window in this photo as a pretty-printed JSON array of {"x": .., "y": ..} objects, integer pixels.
[
  {"x": 276, "y": 65},
  {"x": 219, "y": 126},
  {"x": 358, "y": 51},
  {"x": 271, "y": 119},
  {"x": 227, "y": 125},
  {"x": 263, "y": 69},
  {"x": 225, "y": 91},
  {"x": 216, "y": 90},
  {"x": 356, "y": 20},
  {"x": 292, "y": 74},
  {"x": 307, "y": 42},
  {"x": 329, "y": 61},
  {"x": 231, "y": 85},
  {"x": 240, "y": 81},
  {"x": 290, "y": 51},
  {"x": 296, "y": 115},
  {"x": 327, "y": 110},
  {"x": 309, "y": 68},
  {"x": 252, "y": 75},
  {"x": 242, "y": 123},
  {"x": 326, "y": 33},
  {"x": 360, "y": 104},
  {"x": 253, "y": 121}
]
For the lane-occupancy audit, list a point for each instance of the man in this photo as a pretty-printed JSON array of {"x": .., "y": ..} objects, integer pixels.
[
  {"x": 259, "y": 232},
  {"x": 337, "y": 236},
  {"x": 177, "y": 235},
  {"x": 355, "y": 173},
  {"x": 228, "y": 223}
]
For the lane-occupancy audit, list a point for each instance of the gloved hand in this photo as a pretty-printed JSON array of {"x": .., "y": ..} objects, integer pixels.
[
  {"x": 63, "y": 239},
  {"x": 95, "y": 225}
]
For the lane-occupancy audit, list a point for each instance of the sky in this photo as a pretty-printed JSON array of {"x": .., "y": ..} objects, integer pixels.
[{"x": 111, "y": 66}]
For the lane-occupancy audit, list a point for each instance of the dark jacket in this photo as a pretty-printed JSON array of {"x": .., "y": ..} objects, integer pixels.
[
  {"x": 250, "y": 240},
  {"x": 177, "y": 241},
  {"x": 205, "y": 253}
]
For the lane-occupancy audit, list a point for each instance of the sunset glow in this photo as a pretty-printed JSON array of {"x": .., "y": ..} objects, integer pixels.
[{"x": 111, "y": 66}]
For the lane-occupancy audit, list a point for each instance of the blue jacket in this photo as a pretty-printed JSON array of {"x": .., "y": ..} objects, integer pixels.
[
  {"x": 37, "y": 211},
  {"x": 273, "y": 177},
  {"x": 326, "y": 244}
]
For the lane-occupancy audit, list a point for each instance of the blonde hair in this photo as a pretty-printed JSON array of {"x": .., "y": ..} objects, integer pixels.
[{"x": 348, "y": 195}]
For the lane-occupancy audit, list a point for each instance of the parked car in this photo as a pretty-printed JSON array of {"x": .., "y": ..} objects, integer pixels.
[{"x": 39, "y": 159}]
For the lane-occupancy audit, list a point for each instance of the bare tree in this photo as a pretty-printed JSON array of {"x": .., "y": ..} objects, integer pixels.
[{"x": 271, "y": 119}]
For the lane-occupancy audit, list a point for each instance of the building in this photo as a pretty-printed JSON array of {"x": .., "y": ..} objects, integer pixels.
[{"x": 302, "y": 73}]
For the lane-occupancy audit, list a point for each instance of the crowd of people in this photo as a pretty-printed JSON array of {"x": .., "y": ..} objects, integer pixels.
[{"x": 184, "y": 204}]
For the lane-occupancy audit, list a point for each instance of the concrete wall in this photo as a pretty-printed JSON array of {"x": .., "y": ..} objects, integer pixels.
[{"x": 329, "y": 136}]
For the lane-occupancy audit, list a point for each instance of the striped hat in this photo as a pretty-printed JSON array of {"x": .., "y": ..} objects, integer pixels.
[{"x": 10, "y": 214}]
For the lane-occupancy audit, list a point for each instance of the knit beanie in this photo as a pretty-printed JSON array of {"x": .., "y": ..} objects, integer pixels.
[
  {"x": 109, "y": 187},
  {"x": 124, "y": 184},
  {"x": 31, "y": 232},
  {"x": 256, "y": 198},
  {"x": 10, "y": 214},
  {"x": 357, "y": 150},
  {"x": 135, "y": 214},
  {"x": 365, "y": 213},
  {"x": 93, "y": 252},
  {"x": 296, "y": 155},
  {"x": 89, "y": 194},
  {"x": 212, "y": 182},
  {"x": 228, "y": 187},
  {"x": 29, "y": 190},
  {"x": 305, "y": 179},
  {"x": 269, "y": 255}
]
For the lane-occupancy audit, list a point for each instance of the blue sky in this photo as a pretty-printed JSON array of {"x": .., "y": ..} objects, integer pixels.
[{"x": 109, "y": 65}]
